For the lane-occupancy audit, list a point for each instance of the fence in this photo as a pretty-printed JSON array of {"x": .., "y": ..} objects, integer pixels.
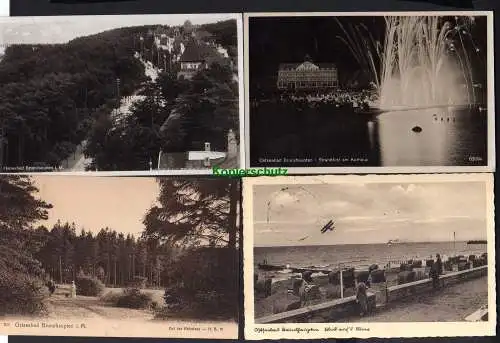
[{"x": 327, "y": 311}]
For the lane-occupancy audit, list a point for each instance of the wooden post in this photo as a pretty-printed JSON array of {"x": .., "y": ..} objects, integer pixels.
[
  {"x": 341, "y": 284},
  {"x": 60, "y": 271}
]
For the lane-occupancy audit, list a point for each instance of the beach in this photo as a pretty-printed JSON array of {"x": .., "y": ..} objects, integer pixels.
[{"x": 450, "y": 303}]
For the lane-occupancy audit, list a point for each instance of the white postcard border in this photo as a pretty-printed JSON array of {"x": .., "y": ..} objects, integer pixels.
[{"x": 255, "y": 331}]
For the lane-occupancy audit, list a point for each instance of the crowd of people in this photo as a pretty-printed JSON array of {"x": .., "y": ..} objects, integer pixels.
[
  {"x": 354, "y": 99},
  {"x": 339, "y": 97}
]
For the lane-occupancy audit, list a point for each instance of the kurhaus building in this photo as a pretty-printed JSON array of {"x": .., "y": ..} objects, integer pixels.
[{"x": 307, "y": 76}]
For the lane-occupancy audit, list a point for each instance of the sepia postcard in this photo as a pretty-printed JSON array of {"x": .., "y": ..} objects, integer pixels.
[
  {"x": 119, "y": 256},
  {"x": 140, "y": 94},
  {"x": 369, "y": 256},
  {"x": 371, "y": 92}
]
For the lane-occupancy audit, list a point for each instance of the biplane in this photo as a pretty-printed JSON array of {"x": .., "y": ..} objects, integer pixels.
[{"x": 328, "y": 226}]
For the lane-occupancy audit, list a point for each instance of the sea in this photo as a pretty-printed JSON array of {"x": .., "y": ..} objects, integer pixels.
[{"x": 361, "y": 255}]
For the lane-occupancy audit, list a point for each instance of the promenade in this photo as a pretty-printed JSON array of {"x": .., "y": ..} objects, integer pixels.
[{"x": 452, "y": 303}]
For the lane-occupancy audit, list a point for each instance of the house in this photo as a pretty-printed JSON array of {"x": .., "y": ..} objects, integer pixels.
[
  {"x": 202, "y": 159},
  {"x": 192, "y": 60}
]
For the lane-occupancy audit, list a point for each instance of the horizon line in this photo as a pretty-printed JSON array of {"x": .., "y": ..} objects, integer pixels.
[{"x": 374, "y": 243}]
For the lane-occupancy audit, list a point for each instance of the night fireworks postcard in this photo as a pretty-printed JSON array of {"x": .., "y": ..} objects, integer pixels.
[{"x": 405, "y": 92}]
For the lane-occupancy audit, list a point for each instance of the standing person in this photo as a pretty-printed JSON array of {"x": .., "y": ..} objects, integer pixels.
[
  {"x": 439, "y": 264},
  {"x": 433, "y": 273},
  {"x": 73, "y": 289},
  {"x": 362, "y": 298},
  {"x": 51, "y": 286}
]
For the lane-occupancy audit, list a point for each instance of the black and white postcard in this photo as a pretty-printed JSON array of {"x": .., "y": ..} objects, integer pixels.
[
  {"x": 379, "y": 92},
  {"x": 134, "y": 93},
  {"x": 369, "y": 256},
  {"x": 119, "y": 256}
]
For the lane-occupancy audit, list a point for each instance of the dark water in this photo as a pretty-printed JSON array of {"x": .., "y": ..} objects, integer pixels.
[
  {"x": 360, "y": 254},
  {"x": 331, "y": 137}
]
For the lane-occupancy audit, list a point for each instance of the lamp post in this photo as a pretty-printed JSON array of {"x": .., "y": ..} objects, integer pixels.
[
  {"x": 141, "y": 38},
  {"x": 118, "y": 94}
]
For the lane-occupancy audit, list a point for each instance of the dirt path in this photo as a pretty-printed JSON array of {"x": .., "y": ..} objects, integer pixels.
[
  {"x": 453, "y": 303},
  {"x": 91, "y": 308}
]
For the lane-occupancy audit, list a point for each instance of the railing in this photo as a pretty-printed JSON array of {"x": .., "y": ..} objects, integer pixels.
[{"x": 330, "y": 309}]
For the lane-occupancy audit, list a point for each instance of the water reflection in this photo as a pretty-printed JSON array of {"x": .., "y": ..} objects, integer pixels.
[{"x": 432, "y": 137}]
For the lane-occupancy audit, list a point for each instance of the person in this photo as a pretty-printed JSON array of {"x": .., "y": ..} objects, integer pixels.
[
  {"x": 362, "y": 298},
  {"x": 433, "y": 273},
  {"x": 73, "y": 289},
  {"x": 369, "y": 280},
  {"x": 439, "y": 264},
  {"x": 51, "y": 286}
]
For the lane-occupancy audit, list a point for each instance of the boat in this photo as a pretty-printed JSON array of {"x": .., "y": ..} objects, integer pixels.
[
  {"x": 477, "y": 242},
  {"x": 393, "y": 241},
  {"x": 270, "y": 267}
]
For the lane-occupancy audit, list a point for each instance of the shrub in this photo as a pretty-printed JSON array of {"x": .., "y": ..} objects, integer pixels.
[
  {"x": 21, "y": 294},
  {"x": 134, "y": 298},
  {"x": 129, "y": 298},
  {"x": 208, "y": 287},
  {"x": 89, "y": 286}
]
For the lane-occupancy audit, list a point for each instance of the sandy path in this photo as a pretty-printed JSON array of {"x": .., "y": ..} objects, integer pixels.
[
  {"x": 91, "y": 308},
  {"x": 453, "y": 303}
]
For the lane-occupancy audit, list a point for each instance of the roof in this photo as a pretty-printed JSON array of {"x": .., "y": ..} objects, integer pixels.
[
  {"x": 194, "y": 52},
  {"x": 293, "y": 66},
  {"x": 201, "y": 52}
]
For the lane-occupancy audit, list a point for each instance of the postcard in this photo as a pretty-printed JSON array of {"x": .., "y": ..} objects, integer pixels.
[
  {"x": 369, "y": 256},
  {"x": 119, "y": 256},
  {"x": 370, "y": 92},
  {"x": 140, "y": 94}
]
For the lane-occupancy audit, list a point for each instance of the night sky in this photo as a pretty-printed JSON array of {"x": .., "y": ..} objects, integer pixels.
[{"x": 275, "y": 40}]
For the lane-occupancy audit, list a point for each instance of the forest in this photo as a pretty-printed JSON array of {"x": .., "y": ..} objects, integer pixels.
[
  {"x": 54, "y": 97},
  {"x": 188, "y": 248}
]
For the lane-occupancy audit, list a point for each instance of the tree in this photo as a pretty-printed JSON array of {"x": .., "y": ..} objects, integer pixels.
[
  {"x": 20, "y": 272},
  {"x": 195, "y": 212}
]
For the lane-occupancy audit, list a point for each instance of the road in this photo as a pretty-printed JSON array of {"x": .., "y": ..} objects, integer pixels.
[{"x": 61, "y": 306}]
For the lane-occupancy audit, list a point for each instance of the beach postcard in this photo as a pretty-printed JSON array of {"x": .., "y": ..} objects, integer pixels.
[
  {"x": 370, "y": 92},
  {"x": 119, "y": 256},
  {"x": 121, "y": 94},
  {"x": 369, "y": 256}
]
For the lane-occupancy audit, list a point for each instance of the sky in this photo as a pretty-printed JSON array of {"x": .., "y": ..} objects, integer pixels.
[
  {"x": 92, "y": 203},
  {"x": 275, "y": 40},
  {"x": 51, "y": 30},
  {"x": 368, "y": 213}
]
